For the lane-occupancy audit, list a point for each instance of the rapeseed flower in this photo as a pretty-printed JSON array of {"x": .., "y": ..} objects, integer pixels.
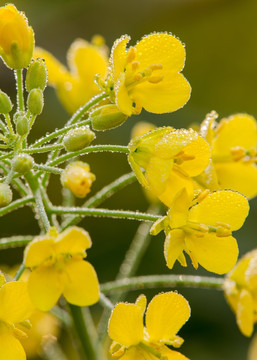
[
  {"x": 16, "y": 38},
  {"x": 170, "y": 159},
  {"x": 147, "y": 75},
  {"x": 57, "y": 267},
  {"x": 165, "y": 315},
  {"x": 203, "y": 229},
  {"x": 233, "y": 142},
  {"x": 75, "y": 85},
  {"x": 15, "y": 309},
  {"x": 240, "y": 288}
]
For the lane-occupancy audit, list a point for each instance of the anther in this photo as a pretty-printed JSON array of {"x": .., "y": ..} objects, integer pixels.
[
  {"x": 155, "y": 79},
  {"x": 131, "y": 54}
]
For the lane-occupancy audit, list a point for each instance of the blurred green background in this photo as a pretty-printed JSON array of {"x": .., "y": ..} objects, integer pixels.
[{"x": 221, "y": 66}]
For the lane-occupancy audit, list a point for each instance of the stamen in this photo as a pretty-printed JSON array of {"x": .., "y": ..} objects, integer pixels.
[
  {"x": 135, "y": 65},
  {"x": 238, "y": 153},
  {"x": 156, "y": 67},
  {"x": 131, "y": 54},
  {"x": 155, "y": 79},
  {"x": 202, "y": 195},
  {"x": 138, "y": 77}
]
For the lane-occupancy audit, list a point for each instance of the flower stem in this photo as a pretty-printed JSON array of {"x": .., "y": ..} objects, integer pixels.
[
  {"x": 19, "y": 83},
  {"x": 15, "y": 241},
  {"x": 9, "y": 123},
  {"x": 82, "y": 332},
  {"x": 43, "y": 149},
  {"x": 16, "y": 204},
  {"x": 152, "y": 281},
  {"x": 120, "y": 214},
  {"x": 95, "y": 148},
  {"x": 19, "y": 272}
]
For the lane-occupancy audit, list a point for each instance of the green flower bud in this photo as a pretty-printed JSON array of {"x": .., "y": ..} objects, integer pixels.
[
  {"x": 17, "y": 115},
  {"x": 107, "y": 117},
  {"x": 5, "y": 194},
  {"x": 78, "y": 139},
  {"x": 22, "y": 125},
  {"x": 5, "y": 103},
  {"x": 22, "y": 163},
  {"x": 36, "y": 77},
  {"x": 35, "y": 101}
]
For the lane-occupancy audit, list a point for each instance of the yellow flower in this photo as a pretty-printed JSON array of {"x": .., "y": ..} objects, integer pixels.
[
  {"x": 165, "y": 315},
  {"x": 147, "y": 75},
  {"x": 204, "y": 230},
  {"x": 57, "y": 267},
  {"x": 240, "y": 289},
  {"x": 16, "y": 38},
  {"x": 170, "y": 159},
  {"x": 78, "y": 178},
  {"x": 15, "y": 308},
  {"x": 233, "y": 142},
  {"x": 76, "y": 86}
]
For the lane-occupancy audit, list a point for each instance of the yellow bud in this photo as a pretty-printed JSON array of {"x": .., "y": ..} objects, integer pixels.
[
  {"x": 16, "y": 38},
  {"x": 36, "y": 77},
  {"x": 22, "y": 163},
  {"x": 78, "y": 139},
  {"x": 78, "y": 178},
  {"x": 5, "y": 194},
  {"x": 107, "y": 117}
]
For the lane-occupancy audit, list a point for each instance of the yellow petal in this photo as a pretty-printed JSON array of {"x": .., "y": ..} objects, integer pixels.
[
  {"x": 244, "y": 313},
  {"x": 176, "y": 183},
  {"x": 81, "y": 284},
  {"x": 126, "y": 324},
  {"x": 138, "y": 172},
  {"x": 45, "y": 286},
  {"x": 238, "y": 176},
  {"x": 162, "y": 49},
  {"x": 166, "y": 96},
  {"x": 178, "y": 212},
  {"x": 165, "y": 315},
  {"x": 171, "y": 354},
  {"x": 141, "y": 301},
  {"x": 122, "y": 100},
  {"x": 224, "y": 206},
  {"x": 86, "y": 60},
  {"x": 215, "y": 254},
  {"x": 174, "y": 246},
  {"x": 72, "y": 240},
  {"x": 10, "y": 347},
  {"x": 157, "y": 173},
  {"x": 237, "y": 130},
  {"x": 15, "y": 303},
  {"x": 238, "y": 274},
  {"x": 38, "y": 251},
  {"x": 118, "y": 56},
  {"x": 138, "y": 353},
  {"x": 56, "y": 70},
  {"x": 201, "y": 153}
]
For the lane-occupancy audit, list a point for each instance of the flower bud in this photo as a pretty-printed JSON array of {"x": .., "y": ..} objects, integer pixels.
[
  {"x": 5, "y": 194},
  {"x": 22, "y": 163},
  {"x": 36, "y": 77},
  {"x": 107, "y": 117},
  {"x": 78, "y": 178},
  {"x": 22, "y": 125},
  {"x": 35, "y": 101},
  {"x": 78, "y": 139},
  {"x": 16, "y": 38},
  {"x": 5, "y": 103}
]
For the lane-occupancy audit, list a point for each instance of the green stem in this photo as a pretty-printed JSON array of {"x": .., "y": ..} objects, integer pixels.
[
  {"x": 152, "y": 281},
  {"x": 95, "y": 148},
  {"x": 16, "y": 204},
  {"x": 120, "y": 214},
  {"x": 101, "y": 196},
  {"x": 9, "y": 123},
  {"x": 32, "y": 120},
  {"x": 105, "y": 302},
  {"x": 19, "y": 272},
  {"x": 19, "y": 83},
  {"x": 59, "y": 132},
  {"x": 15, "y": 241},
  {"x": 35, "y": 188},
  {"x": 2, "y": 126},
  {"x": 43, "y": 149},
  {"x": 82, "y": 331},
  {"x": 46, "y": 168}
]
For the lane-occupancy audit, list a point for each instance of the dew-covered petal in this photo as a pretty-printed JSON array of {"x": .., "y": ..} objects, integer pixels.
[
  {"x": 126, "y": 324},
  {"x": 45, "y": 286},
  {"x": 244, "y": 313},
  {"x": 10, "y": 347},
  {"x": 160, "y": 48},
  {"x": 178, "y": 212},
  {"x": 166, "y": 96},
  {"x": 122, "y": 99},
  {"x": 81, "y": 284},
  {"x": 237, "y": 130},
  {"x": 171, "y": 354},
  {"x": 118, "y": 56},
  {"x": 72, "y": 240},
  {"x": 38, "y": 251},
  {"x": 223, "y": 206},
  {"x": 165, "y": 315},
  {"x": 157, "y": 173},
  {"x": 137, "y": 353},
  {"x": 238, "y": 176},
  {"x": 174, "y": 246},
  {"x": 15, "y": 304},
  {"x": 215, "y": 254}
]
